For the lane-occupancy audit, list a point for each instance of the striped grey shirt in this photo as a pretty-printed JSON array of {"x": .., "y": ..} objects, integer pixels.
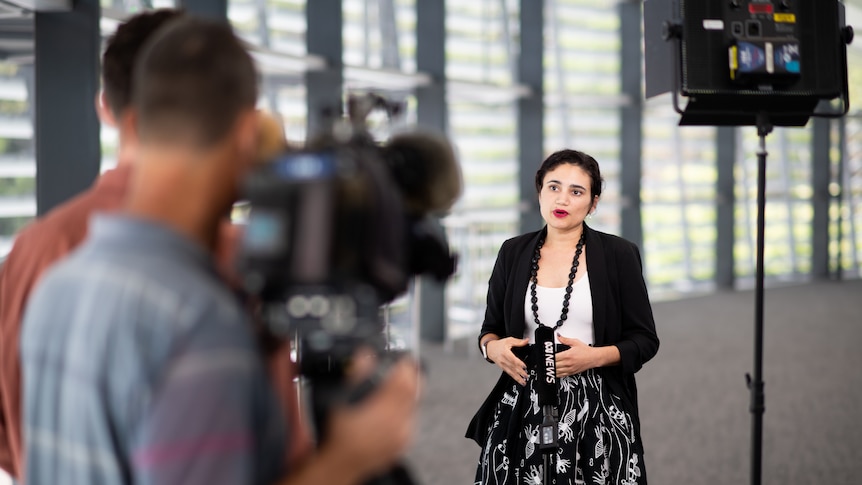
[{"x": 139, "y": 367}]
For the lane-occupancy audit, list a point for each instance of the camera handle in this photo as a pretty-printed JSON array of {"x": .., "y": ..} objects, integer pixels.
[{"x": 328, "y": 391}]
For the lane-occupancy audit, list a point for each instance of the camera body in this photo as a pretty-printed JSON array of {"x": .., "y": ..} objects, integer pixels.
[
  {"x": 324, "y": 245},
  {"x": 334, "y": 231}
]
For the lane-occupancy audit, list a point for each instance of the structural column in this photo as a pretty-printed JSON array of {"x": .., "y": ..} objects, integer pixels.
[
  {"x": 725, "y": 220},
  {"x": 216, "y": 9},
  {"x": 66, "y": 127},
  {"x": 631, "y": 114},
  {"x": 432, "y": 114},
  {"x": 531, "y": 110},
  {"x": 431, "y": 107},
  {"x": 821, "y": 176},
  {"x": 324, "y": 88}
]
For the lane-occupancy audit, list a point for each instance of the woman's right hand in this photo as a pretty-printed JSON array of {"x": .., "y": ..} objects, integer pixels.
[{"x": 500, "y": 351}]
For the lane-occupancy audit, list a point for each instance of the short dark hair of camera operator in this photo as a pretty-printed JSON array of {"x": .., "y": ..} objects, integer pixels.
[
  {"x": 121, "y": 53},
  {"x": 192, "y": 87}
]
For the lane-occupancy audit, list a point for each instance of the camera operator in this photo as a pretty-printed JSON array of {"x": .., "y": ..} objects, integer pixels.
[{"x": 139, "y": 366}]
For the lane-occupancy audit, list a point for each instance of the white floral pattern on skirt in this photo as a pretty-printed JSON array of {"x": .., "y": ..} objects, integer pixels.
[{"x": 598, "y": 444}]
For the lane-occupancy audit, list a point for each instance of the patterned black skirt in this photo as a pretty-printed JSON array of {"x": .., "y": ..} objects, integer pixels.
[{"x": 598, "y": 443}]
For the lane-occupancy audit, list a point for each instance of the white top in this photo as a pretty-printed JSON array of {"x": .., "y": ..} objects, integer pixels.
[{"x": 579, "y": 323}]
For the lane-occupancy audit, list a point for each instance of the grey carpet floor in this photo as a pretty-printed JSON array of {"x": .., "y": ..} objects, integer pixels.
[{"x": 694, "y": 402}]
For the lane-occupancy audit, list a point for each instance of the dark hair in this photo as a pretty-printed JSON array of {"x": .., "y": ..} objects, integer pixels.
[
  {"x": 121, "y": 52},
  {"x": 574, "y": 157},
  {"x": 193, "y": 80}
]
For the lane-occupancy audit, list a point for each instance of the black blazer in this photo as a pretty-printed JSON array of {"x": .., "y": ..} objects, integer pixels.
[{"x": 622, "y": 314}]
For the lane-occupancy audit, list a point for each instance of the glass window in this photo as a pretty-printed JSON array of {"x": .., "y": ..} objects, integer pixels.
[
  {"x": 678, "y": 202},
  {"x": 481, "y": 92},
  {"x": 582, "y": 85},
  {"x": 787, "y": 238},
  {"x": 17, "y": 156}
]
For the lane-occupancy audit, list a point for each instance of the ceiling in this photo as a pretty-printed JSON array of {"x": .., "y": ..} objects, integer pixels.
[{"x": 16, "y": 24}]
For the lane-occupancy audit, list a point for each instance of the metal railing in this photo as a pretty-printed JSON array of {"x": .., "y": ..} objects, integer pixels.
[{"x": 476, "y": 236}]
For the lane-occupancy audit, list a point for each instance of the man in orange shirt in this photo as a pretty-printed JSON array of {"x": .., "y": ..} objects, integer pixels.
[{"x": 53, "y": 236}]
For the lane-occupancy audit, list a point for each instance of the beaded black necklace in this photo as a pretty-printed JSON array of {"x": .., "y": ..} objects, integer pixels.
[{"x": 534, "y": 270}]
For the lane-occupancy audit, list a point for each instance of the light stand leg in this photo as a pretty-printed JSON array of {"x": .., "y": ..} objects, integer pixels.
[{"x": 755, "y": 384}]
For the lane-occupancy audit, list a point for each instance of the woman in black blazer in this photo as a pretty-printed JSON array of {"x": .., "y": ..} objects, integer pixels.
[{"x": 589, "y": 288}]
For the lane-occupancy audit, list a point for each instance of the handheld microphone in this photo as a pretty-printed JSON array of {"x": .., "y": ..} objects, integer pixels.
[
  {"x": 546, "y": 382},
  {"x": 546, "y": 388}
]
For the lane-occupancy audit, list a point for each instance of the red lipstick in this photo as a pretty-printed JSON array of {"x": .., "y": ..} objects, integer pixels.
[{"x": 560, "y": 213}]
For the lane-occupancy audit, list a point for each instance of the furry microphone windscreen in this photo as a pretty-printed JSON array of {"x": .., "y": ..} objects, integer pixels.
[{"x": 423, "y": 164}]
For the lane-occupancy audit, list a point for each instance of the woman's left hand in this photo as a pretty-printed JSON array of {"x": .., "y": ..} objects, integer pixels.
[
  {"x": 581, "y": 357},
  {"x": 578, "y": 358}
]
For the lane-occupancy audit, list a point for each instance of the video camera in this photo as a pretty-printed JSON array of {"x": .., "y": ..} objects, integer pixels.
[{"x": 339, "y": 228}]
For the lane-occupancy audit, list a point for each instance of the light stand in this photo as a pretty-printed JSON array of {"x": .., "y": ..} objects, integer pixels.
[
  {"x": 686, "y": 47},
  {"x": 755, "y": 384}
]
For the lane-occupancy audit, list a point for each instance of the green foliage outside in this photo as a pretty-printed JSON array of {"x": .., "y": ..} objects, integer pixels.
[
  {"x": 11, "y": 225},
  {"x": 17, "y": 187}
]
